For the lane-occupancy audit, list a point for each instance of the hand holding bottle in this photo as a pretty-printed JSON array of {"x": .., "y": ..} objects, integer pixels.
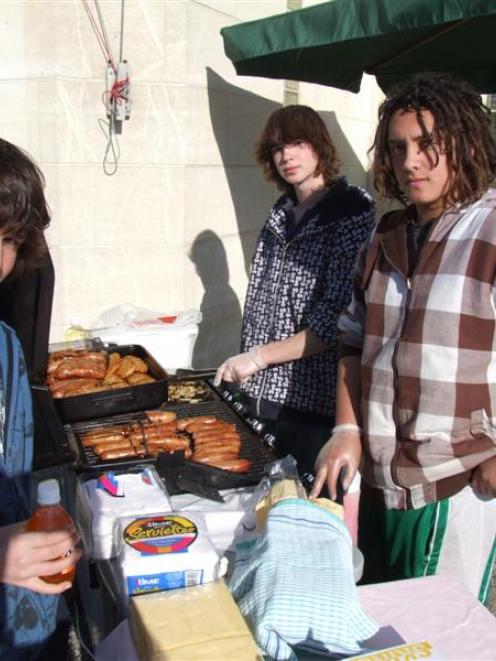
[
  {"x": 40, "y": 554},
  {"x": 28, "y": 555}
]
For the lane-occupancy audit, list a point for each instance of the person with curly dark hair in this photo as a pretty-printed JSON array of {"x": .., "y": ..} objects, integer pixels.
[
  {"x": 28, "y": 604},
  {"x": 417, "y": 379},
  {"x": 300, "y": 282},
  {"x": 24, "y": 213}
]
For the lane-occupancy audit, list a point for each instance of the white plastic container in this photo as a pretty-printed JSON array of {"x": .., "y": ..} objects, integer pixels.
[
  {"x": 170, "y": 345},
  {"x": 168, "y": 338}
]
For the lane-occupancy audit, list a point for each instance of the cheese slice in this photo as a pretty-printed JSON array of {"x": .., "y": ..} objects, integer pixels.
[
  {"x": 330, "y": 506},
  {"x": 200, "y": 623},
  {"x": 280, "y": 491}
]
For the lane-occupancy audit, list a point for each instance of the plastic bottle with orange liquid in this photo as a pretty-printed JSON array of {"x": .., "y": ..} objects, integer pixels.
[{"x": 50, "y": 515}]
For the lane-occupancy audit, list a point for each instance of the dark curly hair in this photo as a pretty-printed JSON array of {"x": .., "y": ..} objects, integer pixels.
[
  {"x": 288, "y": 125},
  {"x": 462, "y": 125},
  {"x": 24, "y": 213}
]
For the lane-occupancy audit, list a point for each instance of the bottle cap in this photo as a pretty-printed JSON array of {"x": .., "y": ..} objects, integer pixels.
[{"x": 48, "y": 492}]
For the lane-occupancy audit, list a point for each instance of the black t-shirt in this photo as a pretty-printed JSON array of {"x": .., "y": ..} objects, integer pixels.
[{"x": 416, "y": 235}]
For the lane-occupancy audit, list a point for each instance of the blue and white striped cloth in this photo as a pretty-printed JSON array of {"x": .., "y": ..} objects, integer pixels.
[{"x": 294, "y": 584}]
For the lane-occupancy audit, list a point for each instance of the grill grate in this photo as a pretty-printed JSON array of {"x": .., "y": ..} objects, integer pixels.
[{"x": 252, "y": 447}]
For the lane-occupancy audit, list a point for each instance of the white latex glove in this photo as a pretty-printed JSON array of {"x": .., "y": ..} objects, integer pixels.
[
  {"x": 484, "y": 478},
  {"x": 241, "y": 367},
  {"x": 342, "y": 450}
]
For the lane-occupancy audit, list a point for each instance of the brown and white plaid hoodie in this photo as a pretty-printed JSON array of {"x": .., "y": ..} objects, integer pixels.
[{"x": 428, "y": 352}]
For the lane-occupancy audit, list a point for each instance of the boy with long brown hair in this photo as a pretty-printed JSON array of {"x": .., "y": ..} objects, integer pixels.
[
  {"x": 416, "y": 399},
  {"x": 300, "y": 282}
]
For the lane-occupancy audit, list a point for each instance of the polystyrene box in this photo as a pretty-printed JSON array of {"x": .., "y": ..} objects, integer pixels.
[
  {"x": 98, "y": 512},
  {"x": 170, "y": 345}
]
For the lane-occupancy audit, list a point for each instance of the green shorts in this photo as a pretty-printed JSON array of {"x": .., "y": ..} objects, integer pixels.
[{"x": 442, "y": 537}]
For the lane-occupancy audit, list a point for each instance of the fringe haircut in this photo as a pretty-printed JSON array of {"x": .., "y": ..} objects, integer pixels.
[{"x": 288, "y": 125}]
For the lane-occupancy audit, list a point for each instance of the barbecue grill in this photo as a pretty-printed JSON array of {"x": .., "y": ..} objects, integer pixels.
[{"x": 252, "y": 447}]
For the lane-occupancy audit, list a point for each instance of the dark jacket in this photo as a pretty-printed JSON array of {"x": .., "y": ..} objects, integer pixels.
[{"x": 304, "y": 281}]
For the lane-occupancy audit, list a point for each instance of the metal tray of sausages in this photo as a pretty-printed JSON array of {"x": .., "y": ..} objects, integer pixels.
[
  {"x": 252, "y": 447},
  {"x": 121, "y": 400}
]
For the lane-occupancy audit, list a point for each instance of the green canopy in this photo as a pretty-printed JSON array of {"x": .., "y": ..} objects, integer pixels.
[{"x": 334, "y": 43}]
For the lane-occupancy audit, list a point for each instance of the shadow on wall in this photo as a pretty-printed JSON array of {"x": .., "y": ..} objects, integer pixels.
[
  {"x": 219, "y": 330},
  {"x": 237, "y": 118}
]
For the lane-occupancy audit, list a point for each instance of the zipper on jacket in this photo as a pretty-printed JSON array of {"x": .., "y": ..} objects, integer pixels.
[
  {"x": 394, "y": 460},
  {"x": 409, "y": 285},
  {"x": 264, "y": 376}
]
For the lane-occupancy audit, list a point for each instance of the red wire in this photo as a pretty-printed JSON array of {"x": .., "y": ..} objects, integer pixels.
[
  {"x": 99, "y": 36},
  {"x": 118, "y": 87}
]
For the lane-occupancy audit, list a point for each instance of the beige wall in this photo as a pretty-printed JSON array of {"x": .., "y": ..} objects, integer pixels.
[{"x": 174, "y": 227}]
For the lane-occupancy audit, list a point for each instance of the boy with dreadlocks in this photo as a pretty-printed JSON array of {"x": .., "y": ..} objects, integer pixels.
[{"x": 416, "y": 401}]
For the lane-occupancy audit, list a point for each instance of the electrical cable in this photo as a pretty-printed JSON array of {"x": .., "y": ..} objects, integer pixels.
[
  {"x": 122, "y": 31},
  {"x": 104, "y": 33},
  {"x": 74, "y": 603},
  {"x": 118, "y": 92},
  {"x": 80, "y": 638},
  {"x": 100, "y": 38},
  {"x": 112, "y": 147}
]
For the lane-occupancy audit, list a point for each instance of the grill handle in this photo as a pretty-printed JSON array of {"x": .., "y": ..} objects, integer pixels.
[{"x": 121, "y": 395}]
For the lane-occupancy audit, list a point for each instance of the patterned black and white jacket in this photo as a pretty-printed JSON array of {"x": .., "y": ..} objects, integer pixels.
[{"x": 303, "y": 281}]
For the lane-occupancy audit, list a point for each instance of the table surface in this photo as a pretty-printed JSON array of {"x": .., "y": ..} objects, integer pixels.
[{"x": 433, "y": 608}]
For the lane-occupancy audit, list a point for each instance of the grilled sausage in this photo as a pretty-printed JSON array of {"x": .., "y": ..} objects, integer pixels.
[
  {"x": 98, "y": 439},
  {"x": 233, "y": 465},
  {"x": 67, "y": 387},
  {"x": 170, "y": 442},
  {"x": 160, "y": 416},
  {"x": 80, "y": 367},
  {"x": 205, "y": 440},
  {"x": 153, "y": 450},
  {"x": 231, "y": 446},
  {"x": 213, "y": 456},
  {"x": 118, "y": 445},
  {"x": 55, "y": 359},
  {"x": 207, "y": 419},
  {"x": 170, "y": 427},
  {"x": 203, "y": 437},
  {"x": 209, "y": 429},
  {"x": 123, "y": 453},
  {"x": 149, "y": 435},
  {"x": 207, "y": 454},
  {"x": 193, "y": 427}
]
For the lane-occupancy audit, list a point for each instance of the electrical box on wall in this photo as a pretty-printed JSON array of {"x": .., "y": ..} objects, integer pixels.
[{"x": 118, "y": 94}]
